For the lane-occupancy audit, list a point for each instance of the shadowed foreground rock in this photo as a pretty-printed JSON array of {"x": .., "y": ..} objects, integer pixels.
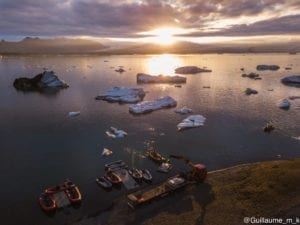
[{"x": 44, "y": 80}]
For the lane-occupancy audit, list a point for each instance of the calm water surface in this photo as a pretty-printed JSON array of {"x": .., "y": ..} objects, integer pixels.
[{"x": 40, "y": 146}]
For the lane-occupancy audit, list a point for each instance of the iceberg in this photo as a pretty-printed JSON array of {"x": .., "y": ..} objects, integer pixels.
[
  {"x": 191, "y": 122},
  {"x": 184, "y": 110},
  {"x": 123, "y": 95},
  {"x": 283, "y": 104},
  {"x": 115, "y": 133},
  {"x": 106, "y": 152},
  {"x": 146, "y": 78},
  {"x": 47, "y": 79},
  {"x": 190, "y": 70},
  {"x": 267, "y": 67},
  {"x": 291, "y": 80},
  {"x": 72, "y": 114},
  {"x": 149, "y": 106}
]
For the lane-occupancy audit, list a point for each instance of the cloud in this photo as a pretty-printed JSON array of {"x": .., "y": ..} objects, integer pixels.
[{"x": 126, "y": 18}]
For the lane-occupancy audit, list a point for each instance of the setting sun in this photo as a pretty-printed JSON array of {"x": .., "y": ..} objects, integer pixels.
[{"x": 164, "y": 36}]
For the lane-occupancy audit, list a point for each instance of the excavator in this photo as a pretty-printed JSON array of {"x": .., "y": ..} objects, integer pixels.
[{"x": 198, "y": 172}]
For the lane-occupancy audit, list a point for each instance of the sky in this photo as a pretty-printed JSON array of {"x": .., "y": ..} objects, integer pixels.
[{"x": 190, "y": 20}]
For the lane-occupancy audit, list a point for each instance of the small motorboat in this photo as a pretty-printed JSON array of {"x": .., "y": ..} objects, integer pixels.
[
  {"x": 72, "y": 192},
  {"x": 114, "y": 163},
  {"x": 116, "y": 166},
  {"x": 165, "y": 167},
  {"x": 112, "y": 177},
  {"x": 46, "y": 202},
  {"x": 103, "y": 182},
  {"x": 155, "y": 156},
  {"x": 146, "y": 175},
  {"x": 136, "y": 173}
]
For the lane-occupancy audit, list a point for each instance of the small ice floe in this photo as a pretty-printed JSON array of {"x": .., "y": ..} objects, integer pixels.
[
  {"x": 251, "y": 75},
  {"x": 149, "y": 106},
  {"x": 267, "y": 67},
  {"x": 296, "y": 138},
  {"x": 190, "y": 70},
  {"x": 72, "y": 114},
  {"x": 120, "y": 70},
  {"x": 288, "y": 68},
  {"x": 115, "y": 133},
  {"x": 178, "y": 85},
  {"x": 106, "y": 152},
  {"x": 291, "y": 80},
  {"x": 283, "y": 104},
  {"x": 191, "y": 122},
  {"x": 293, "y": 97},
  {"x": 165, "y": 167},
  {"x": 250, "y": 91},
  {"x": 206, "y": 86},
  {"x": 123, "y": 95},
  {"x": 268, "y": 128},
  {"x": 47, "y": 79},
  {"x": 146, "y": 78},
  {"x": 184, "y": 110},
  {"x": 270, "y": 89}
]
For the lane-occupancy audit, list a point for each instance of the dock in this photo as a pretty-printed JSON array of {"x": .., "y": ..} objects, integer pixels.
[{"x": 162, "y": 190}]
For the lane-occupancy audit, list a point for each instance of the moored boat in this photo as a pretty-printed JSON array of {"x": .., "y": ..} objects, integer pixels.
[
  {"x": 55, "y": 189},
  {"x": 136, "y": 173},
  {"x": 46, "y": 202},
  {"x": 103, "y": 182},
  {"x": 155, "y": 156},
  {"x": 113, "y": 177},
  {"x": 146, "y": 175},
  {"x": 114, "y": 163},
  {"x": 72, "y": 192}
]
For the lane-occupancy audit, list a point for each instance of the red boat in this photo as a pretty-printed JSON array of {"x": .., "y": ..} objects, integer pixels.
[
  {"x": 46, "y": 202},
  {"x": 113, "y": 177},
  {"x": 55, "y": 189},
  {"x": 72, "y": 192}
]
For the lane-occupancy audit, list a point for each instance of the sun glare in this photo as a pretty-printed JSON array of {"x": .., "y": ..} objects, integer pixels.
[
  {"x": 162, "y": 64},
  {"x": 164, "y": 36}
]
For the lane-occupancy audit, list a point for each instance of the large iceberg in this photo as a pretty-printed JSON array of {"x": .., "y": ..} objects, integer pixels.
[
  {"x": 149, "y": 106},
  {"x": 123, "y": 95},
  {"x": 291, "y": 80},
  {"x": 184, "y": 110},
  {"x": 190, "y": 70},
  {"x": 267, "y": 67},
  {"x": 146, "y": 78},
  {"x": 115, "y": 133},
  {"x": 44, "y": 80},
  {"x": 191, "y": 122}
]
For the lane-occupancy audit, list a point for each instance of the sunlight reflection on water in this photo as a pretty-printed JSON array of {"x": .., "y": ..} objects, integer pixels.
[{"x": 163, "y": 64}]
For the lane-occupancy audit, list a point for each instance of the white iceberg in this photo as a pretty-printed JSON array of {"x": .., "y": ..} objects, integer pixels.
[
  {"x": 283, "y": 104},
  {"x": 106, "y": 152},
  {"x": 115, "y": 133},
  {"x": 149, "y": 106},
  {"x": 191, "y": 122},
  {"x": 72, "y": 114},
  {"x": 146, "y": 78},
  {"x": 190, "y": 70},
  {"x": 123, "y": 95},
  {"x": 184, "y": 110}
]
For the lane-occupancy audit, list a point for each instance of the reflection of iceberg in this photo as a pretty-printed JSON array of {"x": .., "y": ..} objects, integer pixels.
[
  {"x": 146, "y": 78},
  {"x": 183, "y": 110},
  {"x": 191, "y": 122},
  {"x": 115, "y": 133},
  {"x": 123, "y": 95},
  {"x": 149, "y": 106}
]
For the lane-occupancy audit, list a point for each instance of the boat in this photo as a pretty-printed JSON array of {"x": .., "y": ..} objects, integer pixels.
[
  {"x": 165, "y": 167},
  {"x": 146, "y": 175},
  {"x": 55, "y": 189},
  {"x": 116, "y": 166},
  {"x": 72, "y": 192},
  {"x": 113, "y": 163},
  {"x": 103, "y": 182},
  {"x": 46, "y": 202},
  {"x": 112, "y": 177},
  {"x": 136, "y": 173},
  {"x": 155, "y": 156}
]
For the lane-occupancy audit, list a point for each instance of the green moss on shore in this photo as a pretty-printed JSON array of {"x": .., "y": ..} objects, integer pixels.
[{"x": 267, "y": 189}]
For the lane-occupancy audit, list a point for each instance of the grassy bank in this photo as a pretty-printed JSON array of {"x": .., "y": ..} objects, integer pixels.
[{"x": 267, "y": 189}]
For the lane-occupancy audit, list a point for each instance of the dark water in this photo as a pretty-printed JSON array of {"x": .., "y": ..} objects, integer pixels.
[{"x": 40, "y": 146}]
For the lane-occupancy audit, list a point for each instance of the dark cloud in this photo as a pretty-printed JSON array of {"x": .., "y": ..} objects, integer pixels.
[{"x": 126, "y": 18}]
